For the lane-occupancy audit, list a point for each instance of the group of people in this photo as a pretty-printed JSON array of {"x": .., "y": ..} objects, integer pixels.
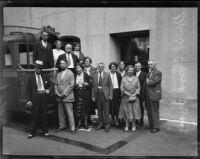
[{"x": 119, "y": 95}]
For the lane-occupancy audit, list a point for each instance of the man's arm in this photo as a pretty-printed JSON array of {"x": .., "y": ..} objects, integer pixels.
[
  {"x": 153, "y": 81},
  {"x": 70, "y": 87},
  {"x": 35, "y": 52}
]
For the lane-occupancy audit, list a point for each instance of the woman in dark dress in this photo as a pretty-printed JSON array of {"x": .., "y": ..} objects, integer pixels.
[
  {"x": 90, "y": 70},
  {"x": 82, "y": 96}
]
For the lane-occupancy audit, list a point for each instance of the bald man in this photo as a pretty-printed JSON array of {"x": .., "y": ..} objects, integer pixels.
[
  {"x": 71, "y": 58},
  {"x": 153, "y": 95}
]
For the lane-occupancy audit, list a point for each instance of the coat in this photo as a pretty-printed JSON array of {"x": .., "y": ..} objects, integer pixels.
[
  {"x": 63, "y": 56},
  {"x": 43, "y": 54},
  {"x": 32, "y": 91},
  {"x": 65, "y": 86},
  {"x": 106, "y": 85},
  {"x": 81, "y": 56},
  {"x": 153, "y": 86},
  {"x": 142, "y": 78}
]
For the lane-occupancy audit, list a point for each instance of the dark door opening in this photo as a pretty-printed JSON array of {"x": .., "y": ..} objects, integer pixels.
[{"x": 134, "y": 46}]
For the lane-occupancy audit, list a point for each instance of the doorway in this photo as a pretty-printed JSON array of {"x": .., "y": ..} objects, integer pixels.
[{"x": 133, "y": 47}]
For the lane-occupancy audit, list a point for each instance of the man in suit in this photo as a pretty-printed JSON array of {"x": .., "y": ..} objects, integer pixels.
[
  {"x": 77, "y": 51},
  {"x": 71, "y": 58},
  {"x": 102, "y": 92},
  {"x": 64, "y": 85},
  {"x": 38, "y": 87},
  {"x": 142, "y": 77},
  {"x": 116, "y": 79},
  {"x": 43, "y": 51},
  {"x": 153, "y": 95}
]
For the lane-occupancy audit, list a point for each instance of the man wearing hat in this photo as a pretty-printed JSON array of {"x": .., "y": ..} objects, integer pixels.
[{"x": 38, "y": 87}]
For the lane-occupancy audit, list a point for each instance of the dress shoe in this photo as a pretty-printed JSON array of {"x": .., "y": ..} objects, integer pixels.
[
  {"x": 73, "y": 131},
  {"x": 133, "y": 128},
  {"x": 126, "y": 128},
  {"x": 155, "y": 130},
  {"x": 100, "y": 126},
  {"x": 30, "y": 136},
  {"x": 86, "y": 126},
  {"x": 107, "y": 128},
  {"x": 59, "y": 129},
  {"x": 46, "y": 134}
]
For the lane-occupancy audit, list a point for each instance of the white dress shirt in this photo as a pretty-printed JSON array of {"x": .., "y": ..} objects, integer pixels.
[
  {"x": 122, "y": 73},
  {"x": 39, "y": 76},
  {"x": 138, "y": 73},
  {"x": 71, "y": 60},
  {"x": 44, "y": 44},
  {"x": 56, "y": 54},
  {"x": 114, "y": 80},
  {"x": 77, "y": 53},
  {"x": 87, "y": 69}
]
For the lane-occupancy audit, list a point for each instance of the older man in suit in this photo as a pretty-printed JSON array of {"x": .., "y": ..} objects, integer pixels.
[
  {"x": 142, "y": 77},
  {"x": 38, "y": 87},
  {"x": 153, "y": 95},
  {"x": 70, "y": 57},
  {"x": 65, "y": 96},
  {"x": 102, "y": 92},
  {"x": 43, "y": 51}
]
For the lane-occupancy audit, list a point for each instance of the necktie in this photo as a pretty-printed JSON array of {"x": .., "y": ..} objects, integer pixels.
[
  {"x": 69, "y": 60},
  {"x": 100, "y": 80},
  {"x": 39, "y": 82}
]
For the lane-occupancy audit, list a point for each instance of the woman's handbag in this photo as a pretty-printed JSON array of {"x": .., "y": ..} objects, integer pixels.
[{"x": 132, "y": 99}]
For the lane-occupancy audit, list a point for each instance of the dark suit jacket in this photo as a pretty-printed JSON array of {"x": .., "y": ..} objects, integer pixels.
[
  {"x": 43, "y": 54},
  {"x": 81, "y": 56},
  {"x": 63, "y": 56},
  {"x": 142, "y": 78},
  {"x": 153, "y": 87},
  {"x": 106, "y": 84},
  {"x": 32, "y": 87}
]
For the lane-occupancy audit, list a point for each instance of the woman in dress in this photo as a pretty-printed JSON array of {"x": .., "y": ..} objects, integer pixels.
[
  {"x": 57, "y": 51},
  {"x": 90, "y": 70},
  {"x": 130, "y": 107},
  {"x": 82, "y": 96}
]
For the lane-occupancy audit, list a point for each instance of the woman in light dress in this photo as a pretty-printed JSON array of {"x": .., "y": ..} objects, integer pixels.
[{"x": 130, "y": 110}]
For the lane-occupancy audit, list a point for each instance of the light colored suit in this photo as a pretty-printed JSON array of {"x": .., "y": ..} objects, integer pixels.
[{"x": 64, "y": 86}]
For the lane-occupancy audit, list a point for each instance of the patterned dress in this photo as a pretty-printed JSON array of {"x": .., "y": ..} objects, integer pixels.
[{"x": 129, "y": 110}]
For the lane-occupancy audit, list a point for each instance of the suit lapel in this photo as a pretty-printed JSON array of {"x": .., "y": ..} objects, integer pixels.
[{"x": 43, "y": 48}]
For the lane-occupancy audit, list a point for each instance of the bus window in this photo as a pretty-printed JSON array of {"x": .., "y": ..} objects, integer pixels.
[
  {"x": 8, "y": 57},
  {"x": 23, "y": 54}
]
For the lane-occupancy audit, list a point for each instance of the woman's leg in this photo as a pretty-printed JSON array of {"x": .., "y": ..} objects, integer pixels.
[
  {"x": 133, "y": 125},
  {"x": 127, "y": 124}
]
